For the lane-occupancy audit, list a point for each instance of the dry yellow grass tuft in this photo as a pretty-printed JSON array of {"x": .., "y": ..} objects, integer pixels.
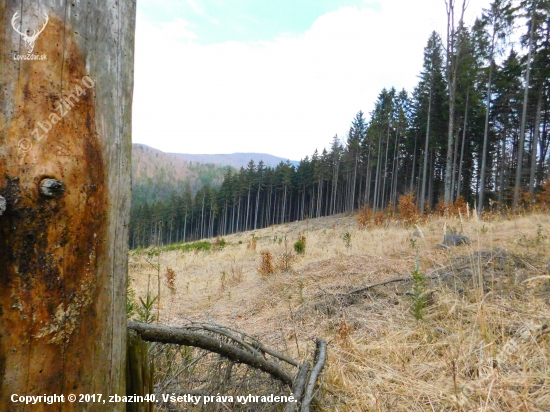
[{"x": 483, "y": 343}]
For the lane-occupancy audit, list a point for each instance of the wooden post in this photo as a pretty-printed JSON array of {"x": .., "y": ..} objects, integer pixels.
[
  {"x": 139, "y": 380},
  {"x": 65, "y": 147}
]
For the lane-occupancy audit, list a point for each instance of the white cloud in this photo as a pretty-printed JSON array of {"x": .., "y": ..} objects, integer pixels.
[
  {"x": 195, "y": 7},
  {"x": 201, "y": 12},
  {"x": 178, "y": 29},
  {"x": 285, "y": 97}
]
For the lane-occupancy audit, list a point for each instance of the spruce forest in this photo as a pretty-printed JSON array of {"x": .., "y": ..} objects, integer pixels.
[{"x": 474, "y": 129}]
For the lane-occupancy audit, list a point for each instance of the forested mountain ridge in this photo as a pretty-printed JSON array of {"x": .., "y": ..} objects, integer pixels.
[
  {"x": 475, "y": 127},
  {"x": 156, "y": 175},
  {"x": 236, "y": 160}
]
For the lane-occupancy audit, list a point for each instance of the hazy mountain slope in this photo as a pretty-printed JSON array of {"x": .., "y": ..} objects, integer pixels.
[
  {"x": 235, "y": 160},
  {"x": 155, "y": 174}
]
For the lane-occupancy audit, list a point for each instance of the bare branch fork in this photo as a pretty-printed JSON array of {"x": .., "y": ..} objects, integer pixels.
[
  {"x": 251, "y": 353},
  {"x": 320, "y": 356},
  {"x": 253, "y": 345},
  {"x": 184, "y": 337}
]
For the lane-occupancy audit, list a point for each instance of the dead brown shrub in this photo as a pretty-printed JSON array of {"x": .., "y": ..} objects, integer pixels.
[
  {"x": 344, "y": 330},
  {"x": 364, "y": 219},
  {"x": 408, "y": 211},
  {"x": 266, "y": 264},
  {"x": 390, "y": 210},
  {"x": 460, "y": 207},
  {"x": 543, "y": 197},
  {"x": 441, "y": 208},
  {"x": 427, "y": 207},
  {"x": 171, "y": 279},
  {"x": 379, "y": 218},
  {"x": 285, "y": 261}
]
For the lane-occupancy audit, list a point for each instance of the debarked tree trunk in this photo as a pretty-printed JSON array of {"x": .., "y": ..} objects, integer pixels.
[{"x": 65, "y": 147}]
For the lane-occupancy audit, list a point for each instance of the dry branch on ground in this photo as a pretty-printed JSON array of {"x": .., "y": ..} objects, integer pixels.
[{"x": 240, "y": 348}]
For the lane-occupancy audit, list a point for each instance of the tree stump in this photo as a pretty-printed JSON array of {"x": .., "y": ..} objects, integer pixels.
[
  {"x": 65, "y": 120},
  {"x": 138, "y": 374}
]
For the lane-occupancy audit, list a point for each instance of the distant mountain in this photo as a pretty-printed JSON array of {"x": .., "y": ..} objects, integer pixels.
[
  {"x": 156, "y": 175},
  {"x": 235, "y": 160}
]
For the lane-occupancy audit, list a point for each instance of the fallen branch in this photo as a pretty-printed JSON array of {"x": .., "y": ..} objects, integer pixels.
[
  {"x": 256, "y": 344},
  {"x": 320, "y": 356},
  {"x": 223, "y": 332},
  {"x": 184, "y": 337},
  {"x": 536, "y": 278},
  {"x": 298, "y": 387},
  {"x": 438, "y": 273},
  {"x": 372, "y": 285}
]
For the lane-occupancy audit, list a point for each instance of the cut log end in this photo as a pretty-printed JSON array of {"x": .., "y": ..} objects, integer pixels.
[{"x": 52, "y": 188}]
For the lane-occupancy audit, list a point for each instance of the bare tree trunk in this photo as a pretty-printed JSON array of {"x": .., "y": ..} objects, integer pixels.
[
  {"x": 202, "y": 218},
  {"x": 413, "y": 164},
  {"x": 425, "y": 170},
  {"x": 257, "y": 204},
  {"x": 431, "y": 181},
  {"x": 452, "y": 68},
  {"x": 524, "y": 113},
  {"x": 354, "y": 184},
  {"x": 544, "y": 142},
  {"x": 246, "y": 225},
  {"x": 233, "y": 217},
  {"x": 485, "y": 135},
  {"x": 335, "y": 185},
  {"x": 395, "y": 167},
  {"x": 368, "y": 180},
  {"x": 327, "y": 201},
  {"x": 534, "y": 148},
  {"x": 455, "y": 157},
  {"x": 460, "y": 178},
  {"x": 377, "y": 178},
  {"x": 502, "y": 177},
  {"x": 185, "y": 225},
  {"x": 385, "y": 168},
  {"x": 238, "y": 213},
  {"x": 284, "y": 206},
  {"x": 63, "y": 253}
]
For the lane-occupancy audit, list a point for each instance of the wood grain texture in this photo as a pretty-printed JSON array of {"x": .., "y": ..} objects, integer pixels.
[
  {"x": 63, "y": 261},
  {"x": 139, "y": 379}
]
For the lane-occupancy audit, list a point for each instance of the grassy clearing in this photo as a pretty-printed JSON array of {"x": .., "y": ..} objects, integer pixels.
[{"x": 481, "y": 340}]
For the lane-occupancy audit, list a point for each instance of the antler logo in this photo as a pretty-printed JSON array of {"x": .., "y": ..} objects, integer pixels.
[{"x": 29, "y": 40}]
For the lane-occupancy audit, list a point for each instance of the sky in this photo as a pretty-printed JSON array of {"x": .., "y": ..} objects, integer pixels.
[{"x": 272, "y": 76}]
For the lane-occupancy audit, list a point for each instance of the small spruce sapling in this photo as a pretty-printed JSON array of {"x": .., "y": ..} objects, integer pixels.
[
  {"x": 145, "y": 310},
  {"x": 347, "y": 239},
  {"x": 418, "y": 296},
  {"x": 130, "y": 299},
  {"x": 300, "y": 245}
]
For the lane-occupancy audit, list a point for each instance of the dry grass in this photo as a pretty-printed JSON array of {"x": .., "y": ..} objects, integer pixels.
[{"x": 484, "y": 343}]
